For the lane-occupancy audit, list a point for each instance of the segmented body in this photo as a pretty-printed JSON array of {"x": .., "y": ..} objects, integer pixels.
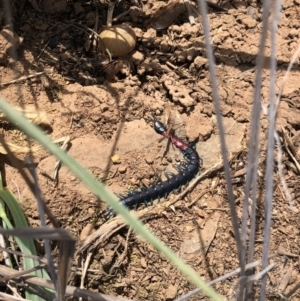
[{"x": 162, "y": 189}]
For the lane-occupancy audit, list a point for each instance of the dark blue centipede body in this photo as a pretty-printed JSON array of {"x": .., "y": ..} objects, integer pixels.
[{"x": 186, "y": 173}]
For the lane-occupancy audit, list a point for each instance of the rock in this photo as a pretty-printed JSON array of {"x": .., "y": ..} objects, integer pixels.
[
  {"x": 171, "y": 292},
  {"x": 149, "y": 160},
  {"x": 137, "y": 56},
  {"x": 189, "y": 29},
  {"x": 143, "y": 262},
  {"x": 115, "y": 159},
  {"x": 179, "y": 93},
  {"x": 205, "y": 130},
  {"x": 104, "y": 107},
  {"x": 209, "y": 150},
  {"x": 201, "y": 213},
  {"x": 199, "y": 62},
  {"x": 122, "y": 168},
  {"x": 91, "y": 211},
  {"x": 150, "y": 34},
  {"x": 248, "y": 21}
]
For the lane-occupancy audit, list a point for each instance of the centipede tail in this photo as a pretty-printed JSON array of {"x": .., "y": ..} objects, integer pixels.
[{"x": 174, "y": 181}]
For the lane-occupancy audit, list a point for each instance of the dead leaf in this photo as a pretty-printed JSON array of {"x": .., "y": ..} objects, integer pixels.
[
  {"x": 166, "y": 15},
  {"x": 25, "y": 149},
  {"x": 32, "y": 113}
]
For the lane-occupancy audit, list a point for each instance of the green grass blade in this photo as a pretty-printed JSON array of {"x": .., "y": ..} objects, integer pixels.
[
  {"x": 102, "y": 192},
  {"x": 26, "y": 245}
]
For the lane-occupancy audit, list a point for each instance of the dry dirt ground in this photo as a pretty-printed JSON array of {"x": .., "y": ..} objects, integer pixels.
[{"x": 110, "y": 115}]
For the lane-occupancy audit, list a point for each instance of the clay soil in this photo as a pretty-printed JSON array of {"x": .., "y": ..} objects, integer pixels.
[{"x": 108, "y": 119}]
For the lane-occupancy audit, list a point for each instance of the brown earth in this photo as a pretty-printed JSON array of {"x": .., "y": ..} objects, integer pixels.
[{"x": 106, "y": 116}]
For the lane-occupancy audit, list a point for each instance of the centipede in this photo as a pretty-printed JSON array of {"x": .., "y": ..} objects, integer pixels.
[{"x": 186, "y": 172}]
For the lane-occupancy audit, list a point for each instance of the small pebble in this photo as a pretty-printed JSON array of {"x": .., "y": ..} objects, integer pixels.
[
  {"x": 149, "y": 160},
  {"x": 122, "y": 168},
  {"x": 252, "y": 12},
  {"x": 248, "y": 21},
  {"x": 104, "y": 107},
  {"x": 133, "y": 181},
  {"x": 115, "y": 159},
  {"x": 143, "y": 262},
  {"x": 169, "y": 159},
  {"x": 201, "y": 213},
  {"x": 200, "y": 62},
  {"x": 171, "y": 292},
  {"x": 91, "y": 211},
  {"x": 137, "y": 56}
]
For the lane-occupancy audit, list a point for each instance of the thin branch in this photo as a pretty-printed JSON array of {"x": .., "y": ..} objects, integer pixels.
[
  {"x": 40, "y": 206},
  {"x": 203, "y": 11},
  {"x": 222, "y": 278},
  {"x": 270, "y": 150},
  {"x": 70, "y": 290}
]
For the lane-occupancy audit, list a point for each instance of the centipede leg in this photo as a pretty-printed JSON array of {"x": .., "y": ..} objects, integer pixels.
[
  {"x": 121, "y": 196},
  {"x": 146, "y": 203},
  {"x": 179, "y": 168},
  {"x": 108, "y": 213},
  {"x": 159, "y": 178},
  {"x": 169, "y": 175}
]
